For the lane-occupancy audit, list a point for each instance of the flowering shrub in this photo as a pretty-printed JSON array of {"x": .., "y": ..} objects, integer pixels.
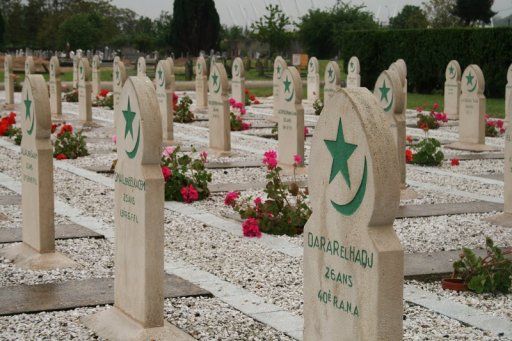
[
  {"x": 250, "y": 98},
  {"x": 493, "y": 128},
  {"x": 105, "y": 98},
  {"x": 71, "y": 96},
  {"x": 285, "y": 210},
  {"x": 431, "y": 120},
  {"x": 182, "y": 113},
  {"x": 426, "y": 153},
  {"x": 235, "y": 116},
  {"x": 186, "y": 179},
  {"x": 318, "y": 105},
  {"x": 68, "y": 145}
]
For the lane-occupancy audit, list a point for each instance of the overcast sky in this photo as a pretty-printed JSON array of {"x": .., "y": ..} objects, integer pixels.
[{"x": 243, "y": 12}]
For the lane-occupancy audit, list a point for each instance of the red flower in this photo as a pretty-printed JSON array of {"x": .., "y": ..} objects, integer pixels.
[
  {"x": 499, "y": 123},
  {"x": 166, "y": 172},
  {"x": 11, "y": 118},
  {"x": 4, "y": 127},
  {"x": 251, "y": 228},
  {"x": 246, "y": 126},
  {"x": 64, "y": 129},
  {"x": 246, "y": 91},
  {"x": 435, "y": 107},
  {"x": 252, "y": 98},
  {"x": 270, "y": 159},
  {"x": 54, "y": 127},
  {"x": 103, "y": 93},
  {"x": 297, "y": 160},
  {"x": 408, "y": 155},
  {"x": 189, "y": 194},
  {"x": 256, "y": 102},
  {"x": 231, "y": 197},
  {"x": 409, "y": 139},
  {"x": 455, "y": 161},
  {"x": 424, "y": 126},
  {"x": 61, "y": 157}
]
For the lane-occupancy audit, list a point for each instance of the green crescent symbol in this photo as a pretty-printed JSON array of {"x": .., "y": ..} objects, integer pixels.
[
  {"x": 132, "y": 154},
  {"x": 354, "y": 204},
  {"x": 160, "y": 75},
  {"x": 217, "y": 89},
  {"x": 28, "y": 115},
  {"x": 287, "y": 84},
  {"x": 386, "y": 109},
  {"x": 352, "y": 66},
  {"x": 237, "y": 70},
  {"x": 129, "y": 115},
  {"x": 291, "y": 96}
]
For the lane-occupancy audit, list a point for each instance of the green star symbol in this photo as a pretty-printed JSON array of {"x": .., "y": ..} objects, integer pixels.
[
  {"x": 279, "y": 69},
  {"x": 129, "y": 115},
  {"x": 81, "y": 69},
  {"x": 384, "y": 92},
  {"x": 470, "y": 77},
  {"x": 452, "y": 69},
  {"x": 340, "y": 151},
  {"x": 287, "y": 84},
  {"x": 117, "y": 74},
  {"x": 330, "y": 72},
  {"x": 160, "y": 73},
  {"x": 236, "y": 67},
  {"x": 352, "y": 65},
  {"x": 215, "y": 78},
  {"x": 28, "y": 104}
]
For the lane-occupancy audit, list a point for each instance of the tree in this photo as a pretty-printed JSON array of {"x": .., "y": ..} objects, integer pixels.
[
  {"x": 230, "y": 40},
  {"x": 195, "y": 26},
  {"x": 81, "y": 31},
  {"x": 271, "y": 29},
  {"x": 439, "y": 13},
  {"x": 474, "y": 11},
  {"x": 15, "y": 36},
  {"x": 409, "y": 17}
]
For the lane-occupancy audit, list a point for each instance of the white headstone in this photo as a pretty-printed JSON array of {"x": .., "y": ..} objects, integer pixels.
[
  {"x": 508, "y": 96},
  {"x": 403, "y": 66},
  {"x": 119, "y": 78},
  {"x": 76, "y": 61},
  {"x": 141, "y": 67},
  {"x": 279, "y": 67},
  {"x": 353, "y": 75},
  {"x": 201, "y": 84},
  {"x": 353, "y": 260},
  {"x": 96, "y": 76},
  {"x": 332, "y": 80},
  {"x": 30, "y": 67},
  {"x": 218, "y": 111},
  {"x": 452, "y": 90},
  {"x": 238, "y": 80},
  {"x": 290, "y": 114},
  {"x": 84, "y": 90},
  {"x": 8, "y": 80},
  {"x": 164, "y": 79},
  {"x": 389, "y": 94},
  {"x": 38, "y": 248},
  {"x": 313, "y": 80},
  {"x": 55, "y": 87}
]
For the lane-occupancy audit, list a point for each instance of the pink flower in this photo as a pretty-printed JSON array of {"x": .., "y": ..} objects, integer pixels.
[
  {"x": 251, "y": 228},
  {"x": 204, "y": 156},
  {"x": 168, "y": 151},
  {"x": 306, "y": 131},
  {"x": 189, "y": 194},
  {"x": 166, "y": 172},
  {"x": 232, "y": 101},
  {"x": 435, "y": 107},
  {"x": 246, "y": 126},
  {"x": 499, "y": 123},
  {"x": 441, "y": 117},
  {"x": 114, "y": 139},
  {"x": 230, "y": 198},
  {"x": 297, "y": 160},
  {"x": 258, "y": 201},
  {"x": 270, "y": 159},
  {"x": 502, "y": 131},
  {"x": 243, "y": 111},
  {"x": 419, "y": 109}
]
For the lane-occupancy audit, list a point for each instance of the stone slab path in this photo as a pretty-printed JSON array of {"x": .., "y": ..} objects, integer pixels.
[
  {"x": 431, "y": 210},
  {"x": 63, "y": 231}
]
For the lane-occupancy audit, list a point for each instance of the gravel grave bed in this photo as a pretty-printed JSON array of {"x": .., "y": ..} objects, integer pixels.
[
  {"x": 476, "y": 167},
  {"x": 14, "y": 219}
]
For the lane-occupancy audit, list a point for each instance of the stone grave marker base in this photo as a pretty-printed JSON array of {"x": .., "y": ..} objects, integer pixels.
[
  {"x": 113, "y": 324},
  {"x": 407, "y": 193},
  {"x": 472, "y": 147},
  {"x": 90, "y": 124},
  {"x": 220, "y": 153},
  {"x": 26, "y": 257},
  {"x": 288, "y": 170},
  {"x": 503, "y": 219},
  {"x": 62, "y": 231}
]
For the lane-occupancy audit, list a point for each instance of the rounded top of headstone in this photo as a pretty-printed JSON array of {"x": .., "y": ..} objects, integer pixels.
[
  {"x": 218, "y": 82},
  {"x": 353, "y": 65},
  {"x": 54, "y": 67},
  {"x": 291, "y": 86},
  {"x": 279, "y": 66},
  {"x": 35, "y": 109},
  {"x": 141, "y": 67},
  {"x": 313, "y": 65},
  {"x": 119, "y": 72},
  {"x": 29, "y": 65},
  {"x": 84, "y": 70},
  {"x": 201, "y": 67},
  {"x": 399, "y": 72},
  {"x": 388, "y": 92},
  {"x": 472, "y": 81},
  {"x": 117, "y": 59},
  {"x": 237, "y": 69},
  {"x": 163, "y": 75},
  {"x": 453, "y": 71},
  {"x": 353, "y": 173},
  {"x": 171, "y": 64},
  {"x": 401, "y": 63},
  {"x": 139, "y": 125},
  {"x": 96, "y": 61},
  {"x": 332, "y": 73},
  {"x": 509, "y": 74}
]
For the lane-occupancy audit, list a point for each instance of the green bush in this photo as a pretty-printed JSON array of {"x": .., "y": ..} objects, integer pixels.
[{"x": 428, "y": 51}]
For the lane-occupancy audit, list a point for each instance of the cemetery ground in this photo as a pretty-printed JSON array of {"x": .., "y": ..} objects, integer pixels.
[{"x": 256, "y": 283}]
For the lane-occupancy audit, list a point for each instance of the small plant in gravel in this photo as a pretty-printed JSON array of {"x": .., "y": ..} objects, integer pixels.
[
  {"x": 493, "y": 128},
  {"x": 250, "y": 99},
  {"x": 186, "y": 179},
  {"x": 318, "y": 106},
  {"x": 285, "y": 210},
  {"x": 105, "y": 99},
  {"x": 71, "y": 96},
  {"x": 431, "y": 120},
  {"x": 68, "y": 144},
  {"x": 426, "y": 153},
  {"x": 235, "y": 116},
  {"x": 491, "y": 274},
  {"x": 182, "y": 113}
]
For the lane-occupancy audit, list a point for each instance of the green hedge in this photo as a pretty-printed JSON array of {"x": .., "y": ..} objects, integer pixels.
[{"x": 427, "y": 52}]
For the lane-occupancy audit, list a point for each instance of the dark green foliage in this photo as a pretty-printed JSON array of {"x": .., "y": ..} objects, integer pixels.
[
  {"x": 427, "y": 52},
  {"x": 272, "y": 29},
  {"x": 491, "y": 274},
  {"x": 2, "y": 31},
  {"x": 81, "y": 31},
  {"x": 428, "y": 153},
  {"x": 195, "y": 26},
  {"x": 409, "y": 17},
  {"x": 474, "y": 11}
]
